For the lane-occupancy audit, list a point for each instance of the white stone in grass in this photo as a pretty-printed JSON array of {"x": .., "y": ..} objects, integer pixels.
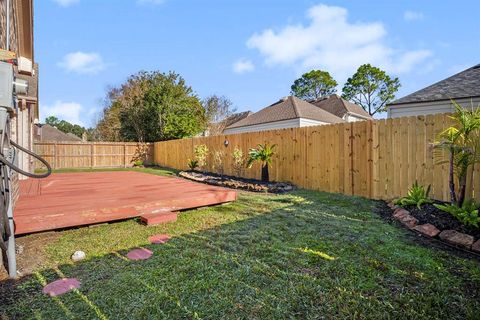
[{"x": 78, "y": 256}]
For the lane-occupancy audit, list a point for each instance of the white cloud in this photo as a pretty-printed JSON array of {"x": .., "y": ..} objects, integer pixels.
[
  {"x": 413, "y": 16},
  {"x": 154, "y": 2},
  {"x": 243, "y": 66},
  {"x": 66, "y": 3},
  {"x": 329, "y": 41},
  {"x": 82, "y": 62},
  {"x": 69, "y": 111}
]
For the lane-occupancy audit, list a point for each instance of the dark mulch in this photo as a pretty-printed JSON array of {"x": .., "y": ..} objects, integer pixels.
[
  {"x": 441, "y": 219},
  {"x": 237, "y": 183}
]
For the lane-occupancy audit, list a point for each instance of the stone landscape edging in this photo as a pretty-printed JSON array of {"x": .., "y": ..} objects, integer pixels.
[{"x": 451, "y": 237}]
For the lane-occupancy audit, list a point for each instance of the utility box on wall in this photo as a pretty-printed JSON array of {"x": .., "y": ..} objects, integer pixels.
[{"x": 6, "y": 85}]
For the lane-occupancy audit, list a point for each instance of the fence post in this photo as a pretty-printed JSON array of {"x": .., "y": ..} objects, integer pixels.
[
  {"x": 124, "y": 154},
  {"x": 91, "y": 155},
  {"x": 55, "y": 155}
]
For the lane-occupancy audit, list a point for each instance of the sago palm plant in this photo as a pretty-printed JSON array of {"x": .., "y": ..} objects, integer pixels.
[{"x": 263, "y": 153}]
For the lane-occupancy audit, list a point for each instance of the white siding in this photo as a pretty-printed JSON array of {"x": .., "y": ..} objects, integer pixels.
[
  {"x": 291, "y": 123},
  {"x": 423, "y": 108},
  {"x": 353, "y": 118},
  {"x": 308, "y": 122}
]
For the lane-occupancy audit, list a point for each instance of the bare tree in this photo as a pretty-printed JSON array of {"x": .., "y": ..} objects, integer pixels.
[{"x": 217, "y": 110}]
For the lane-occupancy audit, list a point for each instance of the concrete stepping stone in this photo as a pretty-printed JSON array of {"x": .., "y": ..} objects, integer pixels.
[
  {"x": 139, "y": 254},
  {"x": 61, "y": 286},
  {"x": 159, "y": 238}
]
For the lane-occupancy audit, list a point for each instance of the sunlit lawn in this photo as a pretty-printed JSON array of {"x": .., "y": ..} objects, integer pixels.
[{"x": 305, "y": 255}]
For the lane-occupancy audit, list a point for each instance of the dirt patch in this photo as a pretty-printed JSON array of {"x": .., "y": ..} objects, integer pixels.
[
  {"x": 30, "y": 253},
  {"x": 237, "y": 183}
]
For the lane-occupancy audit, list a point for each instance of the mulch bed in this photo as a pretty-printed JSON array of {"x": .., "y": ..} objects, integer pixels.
[
  {"x": 237, "y": 183},
  {"x": 441, "y": 219}
]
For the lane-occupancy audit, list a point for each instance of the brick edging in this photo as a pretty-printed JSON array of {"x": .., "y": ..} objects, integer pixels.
[{"x": 465, "y": 241}]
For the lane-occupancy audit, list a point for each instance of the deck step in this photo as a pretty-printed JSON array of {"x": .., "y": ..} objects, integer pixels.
[{"x": 154, "y": 218}]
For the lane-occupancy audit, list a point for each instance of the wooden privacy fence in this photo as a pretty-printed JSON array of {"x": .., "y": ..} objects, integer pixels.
[
  {"x": 378, "y": 159},
  {"x": 67, "y": 154}
]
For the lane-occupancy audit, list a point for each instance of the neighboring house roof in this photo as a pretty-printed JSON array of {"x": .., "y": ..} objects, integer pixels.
[
  {"x": 217, "y": 128},
  {"x": 285, "y": 109},
  {"x": 48, "y": 133},
  {"x": 465, "y": 84},
  {"x": 236, "y": 117},
  {"x": 341, "y": 107}
]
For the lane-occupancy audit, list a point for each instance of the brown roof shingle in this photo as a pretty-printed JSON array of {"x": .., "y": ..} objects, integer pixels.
[
  {"x": 285, "y": 109},
  {"x": 340, "y": 107},
  {"x": 49, "y": 133}
]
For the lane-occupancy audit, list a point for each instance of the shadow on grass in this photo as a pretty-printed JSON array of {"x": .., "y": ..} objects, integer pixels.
[{"x": 316, "y": 256}]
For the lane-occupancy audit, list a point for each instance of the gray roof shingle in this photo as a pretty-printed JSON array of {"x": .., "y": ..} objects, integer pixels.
[
  {"x": 465, "y": 84},
  {"x": 285, "y": 109}
]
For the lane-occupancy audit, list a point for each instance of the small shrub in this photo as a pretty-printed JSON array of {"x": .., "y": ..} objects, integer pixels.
[
  {"x": 192, "y": 164},
  {"x": 138, "y": 163},
  {"x": 201, "y": 153},
  {"x": 218, "y": 162},
  {"x": 238, "y": 161},
  {"x": 466, "y": 214},
  {"x": 417, "y": 195}
]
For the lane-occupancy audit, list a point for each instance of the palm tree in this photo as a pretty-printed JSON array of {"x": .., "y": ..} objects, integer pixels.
[
  {"x": 263, "y": 153},
  {"x": 462, "y": 141}
]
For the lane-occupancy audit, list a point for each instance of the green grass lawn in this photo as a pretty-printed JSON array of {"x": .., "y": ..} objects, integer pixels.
[{"x": 304, "y": 255}]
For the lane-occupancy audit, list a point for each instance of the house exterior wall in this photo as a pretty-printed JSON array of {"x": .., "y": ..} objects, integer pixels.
[
  {"x": 434, "y": 107},
  {"x": 353, "y": 118},
  {"x": 291, "y": 123},
  {"x": 20, "y": 41}
]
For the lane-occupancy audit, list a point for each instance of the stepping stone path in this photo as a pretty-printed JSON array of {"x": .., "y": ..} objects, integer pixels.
[
  {"x": 139, "y": 254},
  {"x": 61, "y": 286},
  {"x": 159, "y": 238}
]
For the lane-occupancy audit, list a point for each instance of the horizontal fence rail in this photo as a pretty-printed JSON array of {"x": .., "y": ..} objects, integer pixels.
[
  {"x": 378, "y": 159},
  {"x": 67, "y": 154}
]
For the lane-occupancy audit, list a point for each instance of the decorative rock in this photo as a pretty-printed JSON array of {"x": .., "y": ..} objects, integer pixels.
[
  {"x": 457, "y": 238},
  {"x": 400, "y": 213},
  {"x": 159, "y": 238},
  {"x": 139, "y": 254},
  {"x": 78, "y": 256},
  {"x": 61, "y": 286},
  {"x": 427, "y": 229},
  {"x": 392, "y": 205},
  {"x": 476, "y": 246},
  {"x": 19, "y": 249},
  {"x": 409, "y": 221}
]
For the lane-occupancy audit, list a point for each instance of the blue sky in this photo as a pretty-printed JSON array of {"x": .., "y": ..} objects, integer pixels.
[{"x": 250, "y": 51}]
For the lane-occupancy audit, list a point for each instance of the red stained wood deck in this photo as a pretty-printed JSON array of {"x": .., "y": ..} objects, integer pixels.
[{"x": 74, "y": 199}]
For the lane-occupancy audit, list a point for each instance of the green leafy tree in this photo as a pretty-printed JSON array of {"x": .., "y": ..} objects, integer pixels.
[
  {"x": 65, "y": 126},
  {"x": 152, "y": 106},
  {"x": 371, "y": 88},
  {"x": 264, "y": 154},
  {"x": 314, "y": 85}
]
